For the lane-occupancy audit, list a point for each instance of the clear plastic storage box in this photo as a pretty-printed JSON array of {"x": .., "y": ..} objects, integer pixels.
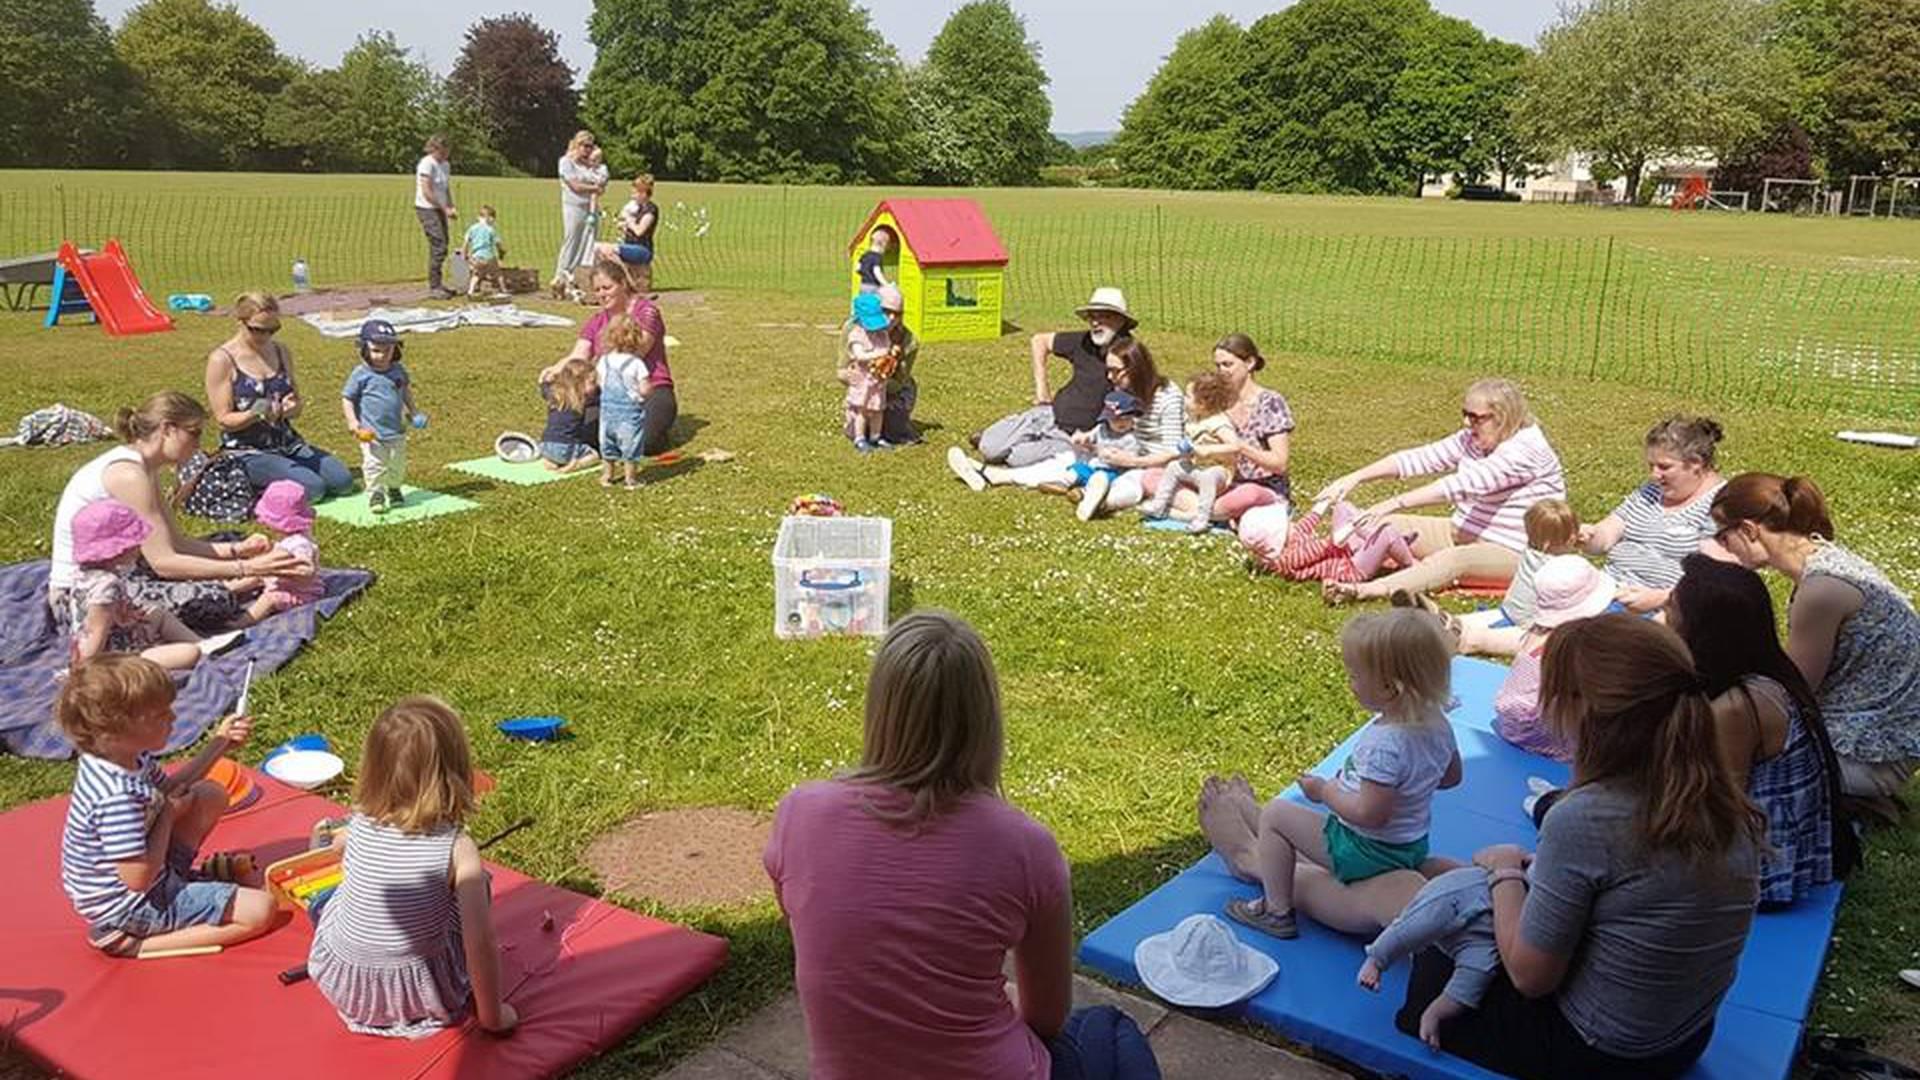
[{"x": 830, "y": 576}]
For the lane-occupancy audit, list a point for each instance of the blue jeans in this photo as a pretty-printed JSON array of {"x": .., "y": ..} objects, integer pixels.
[
  {"x": 316, "y": 470},
  {"x": 565, "y": 453},
  {"x": 1102, "y": 1043},
  {"x": 177, "y": 903}
]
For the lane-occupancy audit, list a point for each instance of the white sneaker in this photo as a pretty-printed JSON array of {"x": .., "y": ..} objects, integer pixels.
[
  {"x": 1095, "y": 496},
  {"x": 220, "y": 642},
  {"x": 1911, "y": 977},
  {"x": 1529, "y": 803},
  {"x": 1540, "y": 785},
  {"x": 966, "y": 468}
]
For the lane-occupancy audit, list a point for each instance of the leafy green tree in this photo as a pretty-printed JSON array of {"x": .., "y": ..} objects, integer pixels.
[
  {"x": 1426, "y": 125},
  {"x": 1870, "y": 95},
  {"x": 980, "y": 101},
  {"x": 746, "y": 90},
  {"x": 511, "y": 78},
  {"x": 1177, "y": 134},
  {"x": 65, "y": 98},
  {"x": 1498, "y": 144},
  {"x": 1632, "y": 81},
  {"x": 207, "y": 75}
]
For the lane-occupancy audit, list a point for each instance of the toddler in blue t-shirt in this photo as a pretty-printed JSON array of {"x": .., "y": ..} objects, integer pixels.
[{"x": 378, "y": 402}]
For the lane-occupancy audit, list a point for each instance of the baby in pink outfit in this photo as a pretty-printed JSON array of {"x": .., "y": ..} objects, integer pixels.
[{"x": 283, "y": 508}]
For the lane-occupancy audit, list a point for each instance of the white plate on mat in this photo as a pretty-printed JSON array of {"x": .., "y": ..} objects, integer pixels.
[{"x": 305, "y": 769}]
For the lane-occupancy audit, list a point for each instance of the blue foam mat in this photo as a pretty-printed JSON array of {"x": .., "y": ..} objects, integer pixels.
[{"x": 1315, "y": 1000}]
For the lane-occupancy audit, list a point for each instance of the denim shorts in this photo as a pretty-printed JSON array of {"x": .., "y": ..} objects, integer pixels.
[
  {"x": 621, "y": 439},
  {"x": 178, "y": 903},
  {"x": 565, "y": 453},
  {"x": 636, "y": 254}
]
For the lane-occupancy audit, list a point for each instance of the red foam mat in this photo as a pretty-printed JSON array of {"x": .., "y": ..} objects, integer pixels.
[{"x": 580, "y": 988}]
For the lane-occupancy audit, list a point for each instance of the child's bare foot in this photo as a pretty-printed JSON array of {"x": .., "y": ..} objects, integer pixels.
[
  {"x": 1335, "y": 593},
  {"x": 1439, "y": 1012},
  {"x": 1369, "y": 976},
  {"x": 606, "y": 479},
  {"x": 1226, "y": 806}
]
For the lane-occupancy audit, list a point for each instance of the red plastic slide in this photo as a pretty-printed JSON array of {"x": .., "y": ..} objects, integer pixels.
[{"x": 115, "y": 293}]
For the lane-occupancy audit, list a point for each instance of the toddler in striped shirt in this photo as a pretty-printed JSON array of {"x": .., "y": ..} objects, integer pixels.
[{"x": 132, "y": 831}]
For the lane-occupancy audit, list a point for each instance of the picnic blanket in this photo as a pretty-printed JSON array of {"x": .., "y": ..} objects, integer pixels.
[
  {"x": 33, "y": 654},
  {"x": 422, "y": 320}
]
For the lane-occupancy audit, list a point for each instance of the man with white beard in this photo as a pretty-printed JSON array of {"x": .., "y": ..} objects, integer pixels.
[{"x": 1042, "y": 432}]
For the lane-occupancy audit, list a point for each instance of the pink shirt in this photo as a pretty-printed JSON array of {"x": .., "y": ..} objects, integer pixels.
[
  {"x": 1491, "y": 490},
  {"x": 647, "y": 314},
  {"x": 1516, "y": 705},
  {"x": 900, "y": 933},
  {"x": 302, "y": 547}
]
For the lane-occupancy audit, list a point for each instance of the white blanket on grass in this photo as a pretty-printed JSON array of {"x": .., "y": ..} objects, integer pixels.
[{"x": 421, "y": 320}]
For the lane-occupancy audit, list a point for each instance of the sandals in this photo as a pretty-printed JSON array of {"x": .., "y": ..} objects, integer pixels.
[
  {"x": 1843, "y": 1057},
  {"x": 1337, "y": 593},
  {"x": 233, "y": 866},
  {"x": 1449, "y": 622},
  {"x": 1253, "y": 914}
]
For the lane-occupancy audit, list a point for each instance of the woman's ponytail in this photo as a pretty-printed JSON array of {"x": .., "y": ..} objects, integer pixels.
[
  {"x": 165, "y": 407},
  {"x": 1806, "y": 508}
]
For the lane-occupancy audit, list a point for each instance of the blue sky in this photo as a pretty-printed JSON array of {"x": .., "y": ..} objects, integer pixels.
[{"x": 1099, "y": 53}]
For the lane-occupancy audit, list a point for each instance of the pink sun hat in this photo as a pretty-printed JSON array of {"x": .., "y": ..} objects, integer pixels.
[
  {"x": 105, "y": 530},
  {"x": 1568, "y": 587},
  {"x": 283, "y": 508}
]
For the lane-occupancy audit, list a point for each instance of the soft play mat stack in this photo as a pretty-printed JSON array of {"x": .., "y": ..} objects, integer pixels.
[
  {"x": 582, "y": 973},
  {"x": 1314, "y": 1000}
]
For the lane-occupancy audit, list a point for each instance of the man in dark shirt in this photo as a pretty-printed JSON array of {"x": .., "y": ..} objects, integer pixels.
[{"x": 1041, "y": 432}]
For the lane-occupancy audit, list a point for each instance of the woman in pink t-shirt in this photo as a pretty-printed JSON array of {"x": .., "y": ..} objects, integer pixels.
[
  {"x": 909, "y": 879},
  {"x": 620, "y": 287}
]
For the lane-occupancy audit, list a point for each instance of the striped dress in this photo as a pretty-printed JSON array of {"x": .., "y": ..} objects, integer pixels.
[
  {"x": 387, "y": 952},
  {"x": 1490, "y": 490},
  {"x": 1656, "y": 537}
]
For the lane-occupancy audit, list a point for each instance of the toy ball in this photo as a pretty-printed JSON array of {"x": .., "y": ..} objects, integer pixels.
[
  {"x": 534, "y": 728},
  {"x": 814, "y": 505},
  {"x": 419, "y": 420},
  {"x": 305, "y": 769},
  {"x": 363, "y": 434}
]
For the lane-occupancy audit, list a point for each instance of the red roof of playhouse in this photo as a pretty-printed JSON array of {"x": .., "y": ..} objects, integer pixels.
[{"x": 943, "y": 232}]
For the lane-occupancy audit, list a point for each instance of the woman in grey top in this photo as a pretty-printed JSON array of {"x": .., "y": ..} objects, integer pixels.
[
  {"x": 583, "y": 179},
  {"x": 1850, "y": 631},
  {"x": 1665, "y": 519},
  {"x": 1619, "y": 944}
]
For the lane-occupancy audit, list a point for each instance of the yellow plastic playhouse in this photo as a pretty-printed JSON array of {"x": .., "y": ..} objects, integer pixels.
[{"x": 950, "y": 266}]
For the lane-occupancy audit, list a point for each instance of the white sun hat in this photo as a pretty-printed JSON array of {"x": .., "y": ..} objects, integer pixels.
[
  {"x": 1107, "y": 298},
  {"x": 1201, "y": 964}
]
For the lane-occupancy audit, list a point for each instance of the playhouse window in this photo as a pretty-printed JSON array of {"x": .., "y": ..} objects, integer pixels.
[{"x": 963, "y": 292}]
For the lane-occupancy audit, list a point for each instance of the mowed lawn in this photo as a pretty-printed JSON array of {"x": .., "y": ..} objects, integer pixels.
[{"x": 646, "y": 618}]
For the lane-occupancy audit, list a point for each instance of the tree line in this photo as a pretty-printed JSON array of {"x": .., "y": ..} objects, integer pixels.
[{"x": 1352, "y": 96}]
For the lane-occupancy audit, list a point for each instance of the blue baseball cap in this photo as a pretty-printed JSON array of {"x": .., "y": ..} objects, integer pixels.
[
  {"x": 378, "y": 332},
  {"x": 868, "y": 311},
  {"x": 1121, "y": 403}
]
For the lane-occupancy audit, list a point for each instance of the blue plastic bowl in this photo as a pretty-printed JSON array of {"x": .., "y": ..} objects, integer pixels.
[
  {"x": 533, "y": 728},
  {"x": 312, "y": 740}
]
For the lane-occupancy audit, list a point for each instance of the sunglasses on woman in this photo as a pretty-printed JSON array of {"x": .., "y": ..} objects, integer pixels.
[{"x": 269, "y": 329}]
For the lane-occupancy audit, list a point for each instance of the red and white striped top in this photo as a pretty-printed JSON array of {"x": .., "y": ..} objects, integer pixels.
[{"x": 1491, "y": 491}]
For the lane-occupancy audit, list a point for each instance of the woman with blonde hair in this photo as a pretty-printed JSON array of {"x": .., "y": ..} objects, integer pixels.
[
  {"x": 255, "y": 398},
  {"x": 583, "y": 179},
  {"x": 1620, "y": 941},
  {"x": 908, "y": 880},
  {"x": 1497, "y": 465},
  {"x": 199, "y": 581}
]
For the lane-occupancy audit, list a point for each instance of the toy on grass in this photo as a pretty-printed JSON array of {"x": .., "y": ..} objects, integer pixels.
[
  {"x": 815, "y": 505},
  {"x": 534, "y": 728},
  {"x": 419, "y": 421},
  {"x": 364, "y": 434}
]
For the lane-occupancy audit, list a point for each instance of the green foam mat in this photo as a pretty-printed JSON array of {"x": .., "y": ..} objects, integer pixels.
[
  {"x": 419, "y": 505},
  {"x": 525, "y": 473}
]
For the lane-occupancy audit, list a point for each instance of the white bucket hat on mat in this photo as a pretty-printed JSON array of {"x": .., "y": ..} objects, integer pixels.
[{"x": 1200, "y": 963}]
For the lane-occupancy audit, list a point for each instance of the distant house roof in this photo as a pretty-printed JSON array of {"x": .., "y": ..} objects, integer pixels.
[{"x": 943, "y": 232}]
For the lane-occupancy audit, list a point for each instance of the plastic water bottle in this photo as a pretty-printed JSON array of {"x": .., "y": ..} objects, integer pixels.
[{"x": 301, "y": 281}]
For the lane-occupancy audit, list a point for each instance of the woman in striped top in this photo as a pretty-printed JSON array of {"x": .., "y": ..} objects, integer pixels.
[
  {"x": 405, "y": 944},
  {"x": 1159, "y": 429},
  {"x": 1666, "y": 519},
  {"x": 1497, "y": 466}
]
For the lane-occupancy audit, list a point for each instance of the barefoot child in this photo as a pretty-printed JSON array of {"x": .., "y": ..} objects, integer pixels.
[
  {"x": 378, "y": 402},
  {"x": 483, "y": 251},
  {"x": 106, "y": 545},
  {"x": 571, "y": 439},
  {"x": 283, "y": 508},
  {"x": 1208, "y": 399},
  {"x": 1378, "y": 806},
  {"x": 1454, "y": 913},
  {"x": 622, "y": 375},
  {"x": 405, "y": 946},
  {"x": 126, "y": 855}
]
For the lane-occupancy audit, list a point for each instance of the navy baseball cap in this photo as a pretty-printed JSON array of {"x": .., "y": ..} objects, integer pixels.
[
  {"x": 1121, "y": 403},
  {"x": 378, "y": 332}
]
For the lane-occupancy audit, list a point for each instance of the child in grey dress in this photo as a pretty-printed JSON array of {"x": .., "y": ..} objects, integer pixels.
[{"x": 1453, "y": 911}]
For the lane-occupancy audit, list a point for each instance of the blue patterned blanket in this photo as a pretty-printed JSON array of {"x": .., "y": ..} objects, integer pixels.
[{"x": 32, "y": 655}]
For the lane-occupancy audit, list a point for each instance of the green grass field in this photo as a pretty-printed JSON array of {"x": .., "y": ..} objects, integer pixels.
[{"x": 646, "y": 618}]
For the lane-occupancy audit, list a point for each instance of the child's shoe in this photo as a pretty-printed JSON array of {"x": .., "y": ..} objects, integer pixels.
[
  {"x": 967, "y": 469},
  {"x": 1254, "y": 914},
  {"x": 882, "y": 444},
  {"x": 863, "y": 446},
  {"x": 377, "y": 501},
  {"x": 393, "y": 497},
  {"x": 1095, "y": 496}
]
